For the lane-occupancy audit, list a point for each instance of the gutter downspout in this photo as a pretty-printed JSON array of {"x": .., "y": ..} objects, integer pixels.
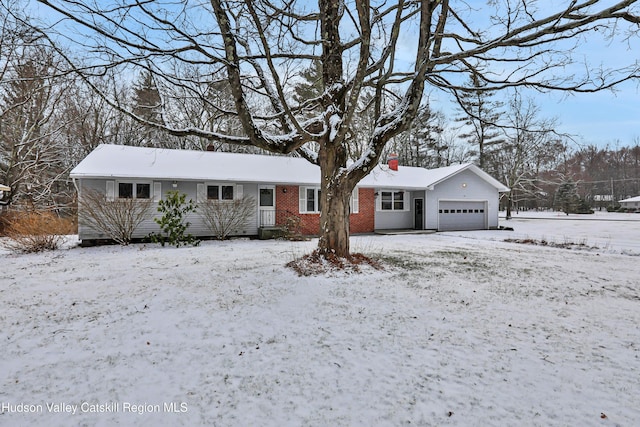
[{"x": 75, "y": 186}]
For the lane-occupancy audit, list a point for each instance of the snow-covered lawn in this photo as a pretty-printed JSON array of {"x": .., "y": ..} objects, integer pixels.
[{"x": 460, "y": 329}]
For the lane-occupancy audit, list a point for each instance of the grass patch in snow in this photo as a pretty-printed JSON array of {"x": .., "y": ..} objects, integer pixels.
[{"x": 567, "y": 244}]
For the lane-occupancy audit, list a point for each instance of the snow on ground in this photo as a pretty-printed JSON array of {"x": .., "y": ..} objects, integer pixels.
[{"x": 461, "y": 329}]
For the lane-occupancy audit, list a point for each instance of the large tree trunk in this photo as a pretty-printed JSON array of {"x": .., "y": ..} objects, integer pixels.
[
  {"x": 334, "y": 202},
  {"x": 334, "y": 222}
]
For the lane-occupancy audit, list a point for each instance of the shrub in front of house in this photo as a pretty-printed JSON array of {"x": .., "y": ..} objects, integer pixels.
[
  {"x": 35, "y": 231},
  {"x": 173, "y": 225},
  {"x": 227, "y": 217},
  {"x": 117, "y": 219}
]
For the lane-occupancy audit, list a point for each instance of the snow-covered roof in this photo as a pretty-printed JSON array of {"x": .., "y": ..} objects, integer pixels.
[
  {"x": 630, "y": 200},
  {"x": 419, "y": 178},
  {"x": 119, "y": 161},
  {"x": 4, "y": 188}
]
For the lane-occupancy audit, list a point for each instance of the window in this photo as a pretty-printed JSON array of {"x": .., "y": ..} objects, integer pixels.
[
  {"x": 354, "y": 202},
  {"x": 143, "y": 191},
  {"x": 398, "y": 201},
  {"x": 227, "y": 192},
  {"x": 309, "y": 199},
  {"x": 125, "y": 190},
  {"x": 130, "y": 190},
  {"x": 387, "y": 204},
  {"x": 392, "y": 201},
  {"x": 213, "y": 191},
  {"x": 266, "y": 197},
  {"x": 312, "y": 205},
  {"x": 220, "y": 192}
]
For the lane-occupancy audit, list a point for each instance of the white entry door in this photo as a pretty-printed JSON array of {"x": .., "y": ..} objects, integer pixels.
[{"x": 267, "y": 205}]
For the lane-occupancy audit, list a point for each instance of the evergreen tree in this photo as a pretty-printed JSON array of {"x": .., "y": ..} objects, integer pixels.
[
  {"x": 147, "y": 105},
  {"x": 422, "y": 145},
  {"x": 173, "y": 224},
  {"x": 425, "y": 138},
  {"x": 567, "y": 199},
  {"x": 481, "y": 117},
  {"x": 310, "y": 86},
  {"x": 147, "y": 99}
]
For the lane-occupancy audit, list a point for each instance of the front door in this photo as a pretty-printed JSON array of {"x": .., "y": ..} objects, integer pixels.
[
  {"x": 267, "y": 205},
  {"x": 418, "y": 209}
]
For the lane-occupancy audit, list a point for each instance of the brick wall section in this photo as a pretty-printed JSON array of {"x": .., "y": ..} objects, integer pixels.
[
  {"x": 364, "y": 220},
  {"x": 287, "y": 204}
]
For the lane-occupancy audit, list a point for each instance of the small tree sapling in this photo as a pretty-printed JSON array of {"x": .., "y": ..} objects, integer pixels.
[{"x": 173, "y": 227}]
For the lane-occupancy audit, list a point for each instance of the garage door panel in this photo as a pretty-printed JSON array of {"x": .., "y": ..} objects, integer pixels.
[{"x": 461, "y": 215}]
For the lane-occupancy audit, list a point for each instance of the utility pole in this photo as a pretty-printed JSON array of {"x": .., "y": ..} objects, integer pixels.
[{"x": 613, "y": 201}]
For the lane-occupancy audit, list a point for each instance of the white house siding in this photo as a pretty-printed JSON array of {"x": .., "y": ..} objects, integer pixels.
[
  {"x": 197, "y": 227},
  {"x": 454, "y": 189}
]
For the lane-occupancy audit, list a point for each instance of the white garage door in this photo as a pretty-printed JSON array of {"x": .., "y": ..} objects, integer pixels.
[{"x": 462, "y": 215}]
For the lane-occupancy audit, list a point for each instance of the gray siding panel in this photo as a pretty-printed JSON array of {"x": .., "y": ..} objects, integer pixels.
[
  {"x": 396, "y": 220},
  {"x": 388, "y": 220},
  {"x": 197, "y": 227}
]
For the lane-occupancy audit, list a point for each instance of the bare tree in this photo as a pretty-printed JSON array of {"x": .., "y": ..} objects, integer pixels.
[
  {"x": 30, "y": 124},
  {"x": 526, "y": 137},
  {"x": 363, "y": 47}
]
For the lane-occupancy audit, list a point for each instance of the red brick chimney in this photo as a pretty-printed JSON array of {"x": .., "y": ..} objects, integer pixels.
[{"x": 392, "y": 161}]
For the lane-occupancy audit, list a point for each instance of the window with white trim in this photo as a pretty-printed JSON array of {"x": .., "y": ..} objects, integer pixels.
[
  {"x": 393, "y": 201},
  {"x": 354, "y": 202},
  {"x": 220, "y": 192},
  {"x": 309, "y": 199},
  {"x": 134, "y": 190},
  {"x": 217, "y": 191}
]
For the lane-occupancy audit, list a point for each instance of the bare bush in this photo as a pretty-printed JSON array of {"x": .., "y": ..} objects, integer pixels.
[
  {"x": 225, "y": 217},
  {"x": 35, "y": 231},
  {"x": 118, "y": 219},
  {"x": 292, "y": 228}
]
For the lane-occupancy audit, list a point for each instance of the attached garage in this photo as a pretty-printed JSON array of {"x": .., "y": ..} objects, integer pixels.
[{"x": 462, "y": 215}]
